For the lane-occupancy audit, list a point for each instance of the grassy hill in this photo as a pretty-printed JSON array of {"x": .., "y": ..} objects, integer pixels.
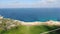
[
  {"x": 31, "y": 30},
  {"x": 5, "y": 28}
]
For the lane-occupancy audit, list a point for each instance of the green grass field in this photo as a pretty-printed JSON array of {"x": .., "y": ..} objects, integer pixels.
[
  {"x": 20, "y": 29},
  {"x": 30, "y": 30}
]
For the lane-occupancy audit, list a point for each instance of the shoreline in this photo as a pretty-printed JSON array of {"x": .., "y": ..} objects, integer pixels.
[{"x": 50, "y": 22}]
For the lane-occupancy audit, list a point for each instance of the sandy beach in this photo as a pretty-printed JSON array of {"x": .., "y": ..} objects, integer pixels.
[{"x": 51, "y": 22}]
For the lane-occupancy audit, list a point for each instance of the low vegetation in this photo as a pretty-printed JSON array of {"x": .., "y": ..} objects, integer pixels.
[{"x": 9, "y": 26}]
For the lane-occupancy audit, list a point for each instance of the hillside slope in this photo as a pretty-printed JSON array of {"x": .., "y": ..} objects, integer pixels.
[
  {"x": 10, "y": 26},
  {"x": 31, "y": 30}
]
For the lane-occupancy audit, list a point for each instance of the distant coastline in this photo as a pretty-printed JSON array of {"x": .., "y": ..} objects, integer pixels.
[{"x": 50, "y": 22}]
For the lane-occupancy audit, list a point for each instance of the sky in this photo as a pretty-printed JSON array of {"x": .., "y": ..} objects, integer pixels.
[{"x": 29, "y": 3}]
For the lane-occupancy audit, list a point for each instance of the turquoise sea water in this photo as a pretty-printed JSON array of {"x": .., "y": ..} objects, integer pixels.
[{"x": 31, "y": 14}]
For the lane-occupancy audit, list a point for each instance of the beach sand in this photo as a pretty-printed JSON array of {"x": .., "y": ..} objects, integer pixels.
[{"x": 41, "y": 23}]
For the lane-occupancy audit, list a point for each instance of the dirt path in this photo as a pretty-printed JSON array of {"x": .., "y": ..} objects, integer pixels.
[{"x": 27, "y": 30}]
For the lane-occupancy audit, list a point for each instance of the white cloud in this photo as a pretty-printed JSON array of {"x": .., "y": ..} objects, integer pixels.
[
  {"x": 48, "y": 3},
  {"x": 39, "y": 4}
]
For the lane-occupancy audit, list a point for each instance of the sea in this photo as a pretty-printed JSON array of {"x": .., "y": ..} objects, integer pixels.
[{"x": 31, "y": 14}]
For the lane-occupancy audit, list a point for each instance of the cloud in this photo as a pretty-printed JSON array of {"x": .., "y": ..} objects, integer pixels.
[
  {"x": 38, "y": 4},
  {"x": 48, "y": 3}
]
